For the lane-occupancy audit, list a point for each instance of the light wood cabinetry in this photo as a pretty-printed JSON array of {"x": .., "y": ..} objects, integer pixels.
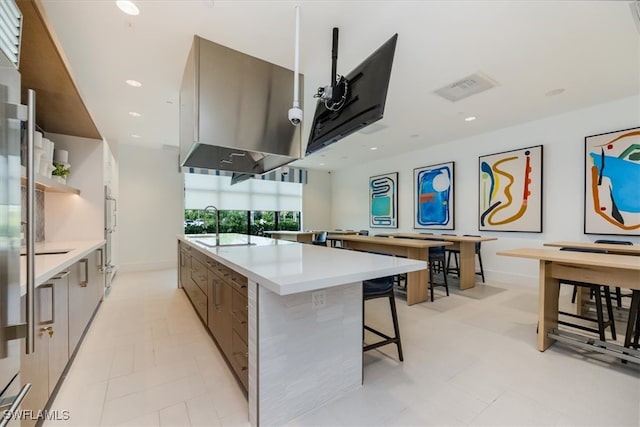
[
  {"x": 44, "y": 367},
  {"x": 63, "y": 308},
  {"x": 225, "y": 304},
  {"x": 85, "y": 292},
  {"x": 219, "y": 306}
]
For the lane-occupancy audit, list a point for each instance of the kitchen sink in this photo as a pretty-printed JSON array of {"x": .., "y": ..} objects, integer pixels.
[{"x": 211, "y": 243}]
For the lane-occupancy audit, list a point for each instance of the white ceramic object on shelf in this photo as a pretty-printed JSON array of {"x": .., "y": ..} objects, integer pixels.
[
  {"x": 61, "y": 156},
  {"x": 37, "y": 139}
]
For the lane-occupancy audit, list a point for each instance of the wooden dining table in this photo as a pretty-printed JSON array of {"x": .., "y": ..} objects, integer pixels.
[
  {"x": 335, "y": 236},
  {"x": 583, "y": 295},
  {"x": 417, "y": 281},
  {"x": 554, "y": 266},
  {"x": 294, "y": 236},
  {"x": 465, "y": 244}
]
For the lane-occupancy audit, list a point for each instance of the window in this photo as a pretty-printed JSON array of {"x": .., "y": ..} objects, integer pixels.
[{"x": 250, "y": 207}]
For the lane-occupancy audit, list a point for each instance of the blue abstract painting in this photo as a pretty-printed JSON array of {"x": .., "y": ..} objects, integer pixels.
[
  {"x": 612, "y": 174},
  {"x": 434, "y": 196},
  {"x": 383, "y": 201}
]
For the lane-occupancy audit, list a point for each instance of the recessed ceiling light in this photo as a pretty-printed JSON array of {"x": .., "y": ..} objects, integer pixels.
[
  {"x": 321, "y": 164},
  {"x": 555, "y": 92},
  {"x": 133, "y": 135},
  {"x": 469, "y": 119},
  {"x": 134, "y": 83},
  {"x": 373, "y": 148},
  {"x": 134, "y": 114},
  {"x": 128, "y": 7}
]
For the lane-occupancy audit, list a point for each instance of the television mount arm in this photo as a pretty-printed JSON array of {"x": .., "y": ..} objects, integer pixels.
[{"x": 334, "y": 96}]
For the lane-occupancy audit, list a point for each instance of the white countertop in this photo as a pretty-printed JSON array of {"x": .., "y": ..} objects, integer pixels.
[
  {"x": 287, "y": 267},
  {"x": 47, "y": 266}
]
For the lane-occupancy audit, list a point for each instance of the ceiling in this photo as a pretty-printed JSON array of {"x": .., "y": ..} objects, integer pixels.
[{"x": 591, "y": 49}]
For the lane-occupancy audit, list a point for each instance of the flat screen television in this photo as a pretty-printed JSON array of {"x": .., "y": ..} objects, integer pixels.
[{"x": 366, "y": 96}]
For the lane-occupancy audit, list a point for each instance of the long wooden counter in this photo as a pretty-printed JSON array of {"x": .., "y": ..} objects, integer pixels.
[
  {"x": 611, "y": 248},
  {"x": 465, "y": 244}
]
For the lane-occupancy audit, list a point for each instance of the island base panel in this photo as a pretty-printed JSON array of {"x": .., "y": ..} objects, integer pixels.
[{"x": 302, "y": 357}]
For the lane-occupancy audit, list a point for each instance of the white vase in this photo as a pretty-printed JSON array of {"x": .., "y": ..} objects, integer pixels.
[{"x": 60, "y": 179}]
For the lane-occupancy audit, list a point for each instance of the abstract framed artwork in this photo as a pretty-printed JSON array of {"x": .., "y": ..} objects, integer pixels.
[
  {"x": 433, "y": 197},
  {"x": 612, "y": 183},
  {"x": 383, "y": 201},
  {"x": 510, "y": 191}
]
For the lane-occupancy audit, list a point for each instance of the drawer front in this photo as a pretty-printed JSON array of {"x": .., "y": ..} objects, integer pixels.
[
  {"x": 211, "y": 263},
  {"x": 239, "y": 282},
  {"x": 240, "y": 315},
  {"x": 223, "y": 271},
  {"x": 240, "y": 358},
  {"x": 199, "y": 273},
  {"x": 198, "y": 299}
]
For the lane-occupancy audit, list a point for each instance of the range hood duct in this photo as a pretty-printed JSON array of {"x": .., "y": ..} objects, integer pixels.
[{"x": 233, "y": 112}]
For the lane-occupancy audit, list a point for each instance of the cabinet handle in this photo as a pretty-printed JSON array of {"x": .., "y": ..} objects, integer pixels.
[
  {"x": 215, "y": 298},
  {"x": 100, "y": 260},
  {"x": 85, "y": 282},
  {"x": 53, "y": 303},
  {"x": 61, "y": 275},
  {"x": 216, "y": 295}
]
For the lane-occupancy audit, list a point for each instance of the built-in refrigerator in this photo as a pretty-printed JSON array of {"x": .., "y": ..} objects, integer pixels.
[{"x": 16, "y": 303}]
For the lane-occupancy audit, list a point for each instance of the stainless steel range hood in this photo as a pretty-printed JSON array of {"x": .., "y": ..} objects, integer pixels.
[{"x": 233, "y": 112}]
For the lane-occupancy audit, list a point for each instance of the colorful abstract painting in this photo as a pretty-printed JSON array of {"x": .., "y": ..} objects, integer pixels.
[
  {"x": 383, "y": 200},
  {"x": 612, "y": 183},
  {"x": 433, "y": 197},
  {"x": 511, "y": 191}
]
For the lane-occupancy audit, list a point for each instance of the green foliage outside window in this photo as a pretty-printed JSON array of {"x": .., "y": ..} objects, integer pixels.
[{"x": 199, "y": 222}]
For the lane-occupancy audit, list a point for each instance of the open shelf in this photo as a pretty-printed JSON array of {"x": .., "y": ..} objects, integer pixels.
[{"x": 47, "y": 184}]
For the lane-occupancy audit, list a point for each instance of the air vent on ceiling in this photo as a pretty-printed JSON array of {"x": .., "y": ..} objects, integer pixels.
[
  {"x": 10, "y": 28},
  {"x": 464, "y": 88}
]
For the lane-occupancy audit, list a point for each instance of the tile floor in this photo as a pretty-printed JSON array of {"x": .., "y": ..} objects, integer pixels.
[{"x": 147, "y": 361}]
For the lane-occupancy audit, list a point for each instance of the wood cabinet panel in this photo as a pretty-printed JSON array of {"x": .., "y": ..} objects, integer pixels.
[
  {"x": 59, "y": 341},
  {"x": 199, "y": 273},
  {"x": 220, "y": 311},
  {"x": 219, "y": 295}
]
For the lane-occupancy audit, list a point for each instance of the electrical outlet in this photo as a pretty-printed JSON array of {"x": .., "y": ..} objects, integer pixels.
[{"x": 318, "y": 299}]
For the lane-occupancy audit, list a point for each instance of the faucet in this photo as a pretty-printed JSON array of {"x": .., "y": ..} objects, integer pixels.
[{"x": 217, "y": 222}]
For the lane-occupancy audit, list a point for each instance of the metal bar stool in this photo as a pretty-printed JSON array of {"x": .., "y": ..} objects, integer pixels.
[
  {"x": 381, "y": 288},
  {"x": 632, "y": 337},
  {"x": 456, "y": 252},
  {"x": 437, "y": 263},
  {"x": 619, "y": 293},
  {"x": 597, "y": 291}
]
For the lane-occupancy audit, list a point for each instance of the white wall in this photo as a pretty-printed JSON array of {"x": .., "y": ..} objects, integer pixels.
[
  {"x": 71, "y": 216},
  {"x": 563, "y": 139},
  {"x": 150, "y": 207},
  {"x": 316, "y": 201}
]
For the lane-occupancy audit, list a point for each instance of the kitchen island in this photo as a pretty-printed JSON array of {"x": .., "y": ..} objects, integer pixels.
[{"x": 303, "y": 316}]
